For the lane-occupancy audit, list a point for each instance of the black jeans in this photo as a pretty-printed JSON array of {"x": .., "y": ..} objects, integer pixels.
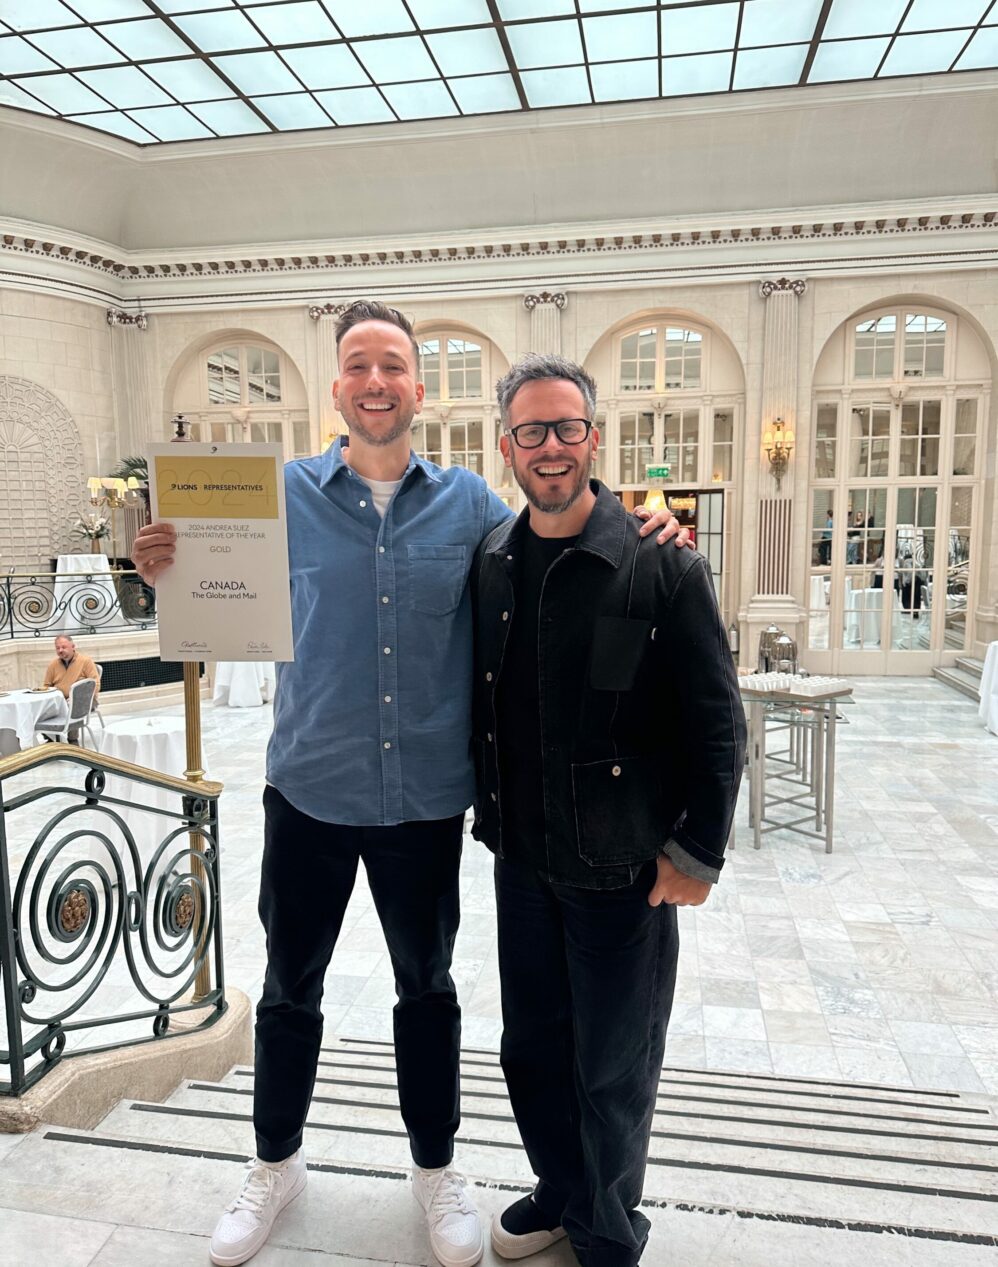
[
  {"x": 308, "y": 874},
  {"x": 588, "y": 977}
]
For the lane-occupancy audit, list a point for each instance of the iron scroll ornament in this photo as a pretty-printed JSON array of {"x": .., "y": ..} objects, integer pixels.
[{"x": 104, "y": 937}]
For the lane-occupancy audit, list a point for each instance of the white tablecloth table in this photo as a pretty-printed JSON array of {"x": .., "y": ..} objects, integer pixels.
[
  {"x": 80, "y": 604},
  {"x": 20, "y": 713},
  {"x": 863, "y": 609},
  {"x": 158, "y": 744},
  {"x": 989, "y": 689},
  {"x": 244, "y": 684}
]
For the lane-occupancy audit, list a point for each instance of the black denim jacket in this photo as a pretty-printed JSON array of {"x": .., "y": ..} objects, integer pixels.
[{"x": 642, "y": 727}]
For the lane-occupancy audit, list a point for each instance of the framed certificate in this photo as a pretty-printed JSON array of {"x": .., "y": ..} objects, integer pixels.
[{"x": 227, "y": 595}]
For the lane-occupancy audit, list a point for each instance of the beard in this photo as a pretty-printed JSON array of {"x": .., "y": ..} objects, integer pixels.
[
  {"x": 548, "y": 506},
  {"x": 357, "y": 427}
]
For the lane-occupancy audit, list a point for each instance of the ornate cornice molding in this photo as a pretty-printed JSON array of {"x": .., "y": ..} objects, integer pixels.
[
  {"x": 558, "y": 298},
  {"x": 115, "y": 317},
  {"x": 542, "y": 249},
  {"x": 797, "y": 287}
]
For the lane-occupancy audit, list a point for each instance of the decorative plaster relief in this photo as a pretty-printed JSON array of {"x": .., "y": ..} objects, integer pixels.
[
  {"x": 115, "y": 317},
  {"x": 41, "y": 473},
  {"x": 798, "y": 286},
  {"x": 317, "y": 312},
  {"x": 558, "y": 298}
]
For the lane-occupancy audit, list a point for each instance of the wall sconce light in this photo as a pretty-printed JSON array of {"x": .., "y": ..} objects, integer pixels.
[{"x": 779, "y": 444}]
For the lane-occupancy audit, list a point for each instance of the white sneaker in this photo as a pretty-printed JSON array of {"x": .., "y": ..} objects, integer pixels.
[
  {"x": 456, "y": 1236},
  {"x": 246, "y": 1223}
]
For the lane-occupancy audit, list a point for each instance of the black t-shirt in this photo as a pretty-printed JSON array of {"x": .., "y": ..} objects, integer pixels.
[{"x": 518, "y": 721}]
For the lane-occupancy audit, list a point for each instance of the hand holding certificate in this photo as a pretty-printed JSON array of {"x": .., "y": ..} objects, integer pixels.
[{"x": 227, "y": 594}]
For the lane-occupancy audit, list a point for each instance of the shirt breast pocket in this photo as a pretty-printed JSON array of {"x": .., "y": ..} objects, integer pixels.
[
  {"x": 436, "y": 577},
  {"x": 619, "y": 645}
]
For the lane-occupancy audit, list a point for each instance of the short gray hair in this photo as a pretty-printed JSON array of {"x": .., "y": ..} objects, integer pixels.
[{"x": 535, "y": 366}]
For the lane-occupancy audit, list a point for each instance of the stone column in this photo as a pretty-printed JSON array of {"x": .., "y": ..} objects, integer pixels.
[
  {"x": 545, "y": 320},
  {"x": 325, "y": 333},
  {"x": 772, "y": 602},
  {"x": 133, "y": 409}
]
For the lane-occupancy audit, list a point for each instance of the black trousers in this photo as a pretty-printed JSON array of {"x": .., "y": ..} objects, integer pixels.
[
  {"x": 588, "y": 978},
  {"x": 308, "y": 874}
]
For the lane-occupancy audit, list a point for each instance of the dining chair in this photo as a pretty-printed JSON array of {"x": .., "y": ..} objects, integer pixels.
[
  {"x": 81, "y": 698},
  {"x": 95, "y": 709}
]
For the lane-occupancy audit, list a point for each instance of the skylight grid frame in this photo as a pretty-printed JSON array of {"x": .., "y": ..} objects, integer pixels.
[{"x": 297, "y": 89}]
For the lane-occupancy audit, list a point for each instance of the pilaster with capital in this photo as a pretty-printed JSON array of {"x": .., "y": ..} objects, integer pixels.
[
  {"x": 545, "y": 320},
  {"x": 780, "y": 351},
  {"x": 132, "y": 374},
  {"x": 772, "y": 600},
  {"x": 324, "y": 317}
]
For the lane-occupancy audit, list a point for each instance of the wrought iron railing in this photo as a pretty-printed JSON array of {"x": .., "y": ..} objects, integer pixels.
[
  {"x": 46, "y": 604},
  {"x": 104, "y": 925}
]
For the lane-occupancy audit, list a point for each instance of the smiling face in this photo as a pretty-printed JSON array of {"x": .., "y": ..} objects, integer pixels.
[
  {"x": 554, "y": 476},
  {"x": 376, "y": 391}
]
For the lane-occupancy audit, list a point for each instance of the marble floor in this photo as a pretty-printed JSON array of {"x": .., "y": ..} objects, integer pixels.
[{"x": 877, "y": 963}]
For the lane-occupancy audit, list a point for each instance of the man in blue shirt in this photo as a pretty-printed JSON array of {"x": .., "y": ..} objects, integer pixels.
[{"x": 368, "y": 762}]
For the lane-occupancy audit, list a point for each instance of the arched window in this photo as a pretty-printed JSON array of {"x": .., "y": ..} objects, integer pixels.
[
  {"x": 244, "y": 376},
  {"x": 898, "y": 345},
  {"x": 660, "y": 358},
  {"x": 895, "y": 465},
  {"x": 671, "y": 423},
  {"x": 669, "y": 415},
  {"x": 451, "y": 367},
  {"x": 455, "y": 426},
  {"x": 245, "y": 392}
]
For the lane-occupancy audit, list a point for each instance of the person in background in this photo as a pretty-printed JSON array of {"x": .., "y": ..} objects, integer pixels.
[
  {"x": 825, "y": 546},
  {"x": 69, "y": 666}
]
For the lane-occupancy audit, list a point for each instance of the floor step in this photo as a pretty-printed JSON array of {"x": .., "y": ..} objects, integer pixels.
[
  {"x": 961, "y": 680},
  {"x": 779, "y": 1169},
  {"x": 792, "y": 1147},
  {"x": 157, "y": 1203},
  {"x": 971, "y": 665}
]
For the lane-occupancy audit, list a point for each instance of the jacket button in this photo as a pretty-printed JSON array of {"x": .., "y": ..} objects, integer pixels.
[
  {"x": 488, "y": 677},
  {"x": 493, "y": 795},
  {"x": 615, "y": 771},
  {"x": 505, "y": 615},
  {"x": 489, "y": 738}
]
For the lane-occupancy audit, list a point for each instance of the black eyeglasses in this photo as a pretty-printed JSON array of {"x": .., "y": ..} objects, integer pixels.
[{"x": 531, "y": 435}]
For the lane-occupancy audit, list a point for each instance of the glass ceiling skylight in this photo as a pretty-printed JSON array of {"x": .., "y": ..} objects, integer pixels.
[{"x": 178, "y": 70}]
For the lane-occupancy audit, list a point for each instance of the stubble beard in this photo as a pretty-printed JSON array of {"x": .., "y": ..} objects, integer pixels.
[
  {"x": 379, "y": 439},
  {"x": 555, "y": 508}
]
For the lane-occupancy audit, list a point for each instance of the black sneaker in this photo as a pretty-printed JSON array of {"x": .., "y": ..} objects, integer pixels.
[{"x": 522, "y": 1229}]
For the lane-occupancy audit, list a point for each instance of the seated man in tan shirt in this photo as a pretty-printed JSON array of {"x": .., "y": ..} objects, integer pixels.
[{"x": 70, "y": 666}]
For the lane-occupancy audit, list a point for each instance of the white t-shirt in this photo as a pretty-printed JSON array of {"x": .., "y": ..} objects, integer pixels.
[{"x": 382, "y": 492}]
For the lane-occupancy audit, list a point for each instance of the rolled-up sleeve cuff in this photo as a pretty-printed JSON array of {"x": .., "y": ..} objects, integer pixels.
[{"x": 689, "y": 864}]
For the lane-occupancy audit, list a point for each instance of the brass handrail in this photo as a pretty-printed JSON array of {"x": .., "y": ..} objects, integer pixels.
[{"x": 31, "y": 758}]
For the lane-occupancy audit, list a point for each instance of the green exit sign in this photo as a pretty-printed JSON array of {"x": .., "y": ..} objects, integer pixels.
[{"x": 657, "y": 472}]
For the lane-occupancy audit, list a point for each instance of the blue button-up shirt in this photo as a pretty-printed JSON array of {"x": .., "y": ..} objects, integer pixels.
[{"x": 372, "y": 720}]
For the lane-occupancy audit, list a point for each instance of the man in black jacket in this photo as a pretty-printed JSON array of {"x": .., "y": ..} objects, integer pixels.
[{"x": 609, "y": 742}]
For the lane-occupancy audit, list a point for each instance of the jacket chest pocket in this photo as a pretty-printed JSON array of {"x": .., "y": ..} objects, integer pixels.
[
  {"x": 619, "y": 643},
  {"x": 436, "y": 577}
]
